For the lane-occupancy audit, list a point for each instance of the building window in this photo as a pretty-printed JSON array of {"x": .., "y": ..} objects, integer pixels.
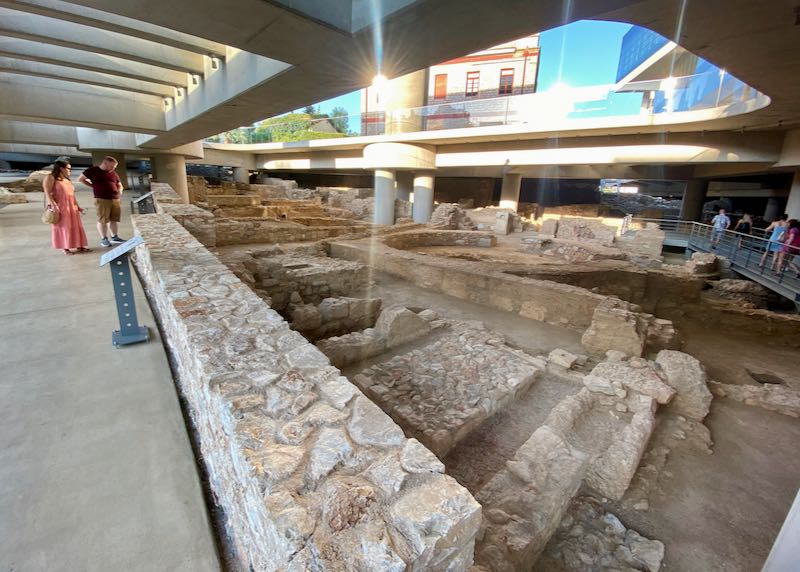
[
  {"x": 440, "y": 86},
  {"x": 506, "y": 82},
  {"x": 473, "y": 83}
]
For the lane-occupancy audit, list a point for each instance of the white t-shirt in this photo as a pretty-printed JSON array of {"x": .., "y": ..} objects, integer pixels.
[{"x": 721, "y": 222}]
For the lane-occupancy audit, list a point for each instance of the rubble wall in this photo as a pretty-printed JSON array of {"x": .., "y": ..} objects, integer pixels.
[
  {"x": 309, "y": 473},
  {"x": 541, "y": 300},
  {"x": 415, "y": 239},
  {"x": 260, "y": 231}
]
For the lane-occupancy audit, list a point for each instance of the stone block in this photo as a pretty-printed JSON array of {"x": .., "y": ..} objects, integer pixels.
[
  {"x": 770, "y": 396},
  {"x": 549, "y": 228},
  {"x": 525, "y": 502},
  {"x": 688, "y": 377},
  {"x": 400, "y": 325},
  {"x": 503, "y": 223},
  {"x": 702, "y": 263},
  {"x": 615, "y": 326},
  {"x": 644, "y": 379},
  {"x": 334, "y": 309},
  {"x": 306, "y": 317},
  {"x": 566, "y": 359}
]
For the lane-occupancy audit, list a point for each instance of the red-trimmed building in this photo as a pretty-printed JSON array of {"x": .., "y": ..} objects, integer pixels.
[{"x": 469, "y": 91}]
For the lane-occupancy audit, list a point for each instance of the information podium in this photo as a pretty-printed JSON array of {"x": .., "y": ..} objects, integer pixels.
[
  {"x": 130, "y": 332},
  {"x": 144, "y": 204}
]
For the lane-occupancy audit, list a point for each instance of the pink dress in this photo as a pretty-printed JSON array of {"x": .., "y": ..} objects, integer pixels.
[{"x": 68, "y": 233}]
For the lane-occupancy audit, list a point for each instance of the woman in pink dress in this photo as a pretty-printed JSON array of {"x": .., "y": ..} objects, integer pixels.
[{"x": 60, "y": 193}]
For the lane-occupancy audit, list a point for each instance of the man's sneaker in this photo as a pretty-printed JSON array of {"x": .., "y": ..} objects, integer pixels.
[
  {"x": 105, "y": 243},
  {"x": 117, "y": 240}
]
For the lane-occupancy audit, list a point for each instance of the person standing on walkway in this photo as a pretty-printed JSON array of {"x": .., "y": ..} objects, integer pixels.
[
  {"x": 68, "y": 232},
  {"x": 107, "y": 190},
  {"x": 721, "y": 222},
  {"x": 744, "y": 226},
  {"x": 790, "y": 248},
  {"x": 777, "y": 227}
]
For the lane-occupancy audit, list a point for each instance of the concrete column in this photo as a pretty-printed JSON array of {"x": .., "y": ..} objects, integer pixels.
[
  {"x": 509, "y": 193},
  {"x": 122, "y": 169},
  {"x": 693, "y": 198},
  {"x": 405, "y": 185},
  {"x": 423, "y": 197},
  {"x": 773, "y": 209},
  {"x": 793, "y": 204},
  {"x": 171, "y": 169},
  {"x": 241, "y": 175},
  {"x": 403, "y": 95},
  {"x": 384, "y": 196}
]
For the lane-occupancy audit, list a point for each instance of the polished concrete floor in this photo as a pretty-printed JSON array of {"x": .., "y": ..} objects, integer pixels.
[{"x": 96, "y": 468}]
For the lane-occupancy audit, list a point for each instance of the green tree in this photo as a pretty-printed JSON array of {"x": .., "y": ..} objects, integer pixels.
[
  {"x": 290, "y": 127},
  {"x": 338, "y": 117}
]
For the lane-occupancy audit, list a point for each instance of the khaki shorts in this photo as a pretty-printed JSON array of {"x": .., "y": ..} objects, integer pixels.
[{"x": 108, "y": 210}]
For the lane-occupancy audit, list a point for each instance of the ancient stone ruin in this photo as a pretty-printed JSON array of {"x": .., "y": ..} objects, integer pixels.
[{"x": 472, "y": 394}]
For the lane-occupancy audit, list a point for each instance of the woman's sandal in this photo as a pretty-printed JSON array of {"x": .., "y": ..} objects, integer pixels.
[
  {"x": 82, "y": 249},
  {"x": 68, "y": 252}
]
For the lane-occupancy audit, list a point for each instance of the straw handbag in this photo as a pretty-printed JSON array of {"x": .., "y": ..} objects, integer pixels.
[{"x": 50, "y": 215}]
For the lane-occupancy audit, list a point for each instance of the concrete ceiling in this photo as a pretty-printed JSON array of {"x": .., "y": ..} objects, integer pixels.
[{"x": 310, "y": 53}]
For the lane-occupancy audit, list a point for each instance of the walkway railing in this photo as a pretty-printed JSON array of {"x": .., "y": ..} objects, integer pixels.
[
  {"x": 751, "y": 255},
  {"x": 679, "y": 98}
]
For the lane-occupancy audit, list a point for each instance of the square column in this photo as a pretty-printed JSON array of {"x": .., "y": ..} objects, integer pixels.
[
  {"x": 423, "y": 197},
  {"x": 509, "y": 194},
  {"x": 693, "y": 198},
  {"x": 384, "y": 196},
  {"x": 171, "y": 169}
]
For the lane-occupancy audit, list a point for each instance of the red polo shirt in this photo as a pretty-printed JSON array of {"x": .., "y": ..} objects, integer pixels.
[{"x": 104, "y": 183}]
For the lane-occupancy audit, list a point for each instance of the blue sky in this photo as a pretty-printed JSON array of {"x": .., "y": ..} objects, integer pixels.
[{"x": 579, "y": 54}]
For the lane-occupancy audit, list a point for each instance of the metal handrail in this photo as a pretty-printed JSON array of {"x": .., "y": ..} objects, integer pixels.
[{"x": 744, "y": 251}]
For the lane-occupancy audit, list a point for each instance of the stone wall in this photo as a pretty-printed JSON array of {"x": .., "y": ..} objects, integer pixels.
[
  {"x": 256, "y": 230},
  {"x": 416, "y": 239},
  {"x": 540, "y": 300},
  {"x": 309, "y": 473}
]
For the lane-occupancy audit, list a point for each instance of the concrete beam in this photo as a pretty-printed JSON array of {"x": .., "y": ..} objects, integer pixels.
[
  {"x": 240, "y": 73},
  {"x": 127, "y": 143},
  {"x": 47, "y": 30},
  {"x": 51, "y": 151},
  {"x": 19, "y": 132},
  {"x": 65, "y": 11},
  {"x": 59, "y": 102},
  {"x": 52, "y": 71},
  {"x": 72, "y": 58}
]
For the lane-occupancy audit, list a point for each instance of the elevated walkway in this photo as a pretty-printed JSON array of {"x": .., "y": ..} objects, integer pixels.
[
  {"x": 96, "y": 469},
  {"x": 742, "y": 250}
]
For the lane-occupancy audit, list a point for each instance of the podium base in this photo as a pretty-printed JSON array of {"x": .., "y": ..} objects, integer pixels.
[{"x": 133, "y": 336}]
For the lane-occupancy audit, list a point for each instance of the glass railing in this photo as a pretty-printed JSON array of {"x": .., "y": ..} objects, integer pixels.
[{"x": 673, "y": 99}]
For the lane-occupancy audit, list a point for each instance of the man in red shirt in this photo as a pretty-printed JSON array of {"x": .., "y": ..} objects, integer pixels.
[{"x": 107, "y": 190}]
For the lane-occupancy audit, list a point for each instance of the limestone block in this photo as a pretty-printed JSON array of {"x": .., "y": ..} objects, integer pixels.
[
  {"x": 503, "y": 223},
  {"x": 616, "y": 327},
  {"x": 334, "y": 309},
  {"x": 428, "y": 315},
  {"x": 436, "y": 521},
  {"x": 525, "y": 502},
  {"x": 611, "y": 473},
  {"x": 644, "y": 380},
  {"x": 400, "y": 325},
  {"x": 354, "y": 347},
  {"x": 566, "y": 359},
  {"x": 586, "y": 230},
  {"x": 702, "y": 263},
  {"x": 7, "y": 197},
  {"x": 306, "y": 317},
  {"x": 549, "y": 228},
  {"x": 661, "y": 335},
  {"x": 371, "y": 426},
  {"x": 688, "y": 377},
  {"x": 771, "y": 396}
]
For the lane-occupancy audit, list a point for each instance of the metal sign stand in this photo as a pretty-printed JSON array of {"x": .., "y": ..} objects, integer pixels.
[
  {"x": 143, "y": 204},
  {"x": 130, "y": 332}
]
